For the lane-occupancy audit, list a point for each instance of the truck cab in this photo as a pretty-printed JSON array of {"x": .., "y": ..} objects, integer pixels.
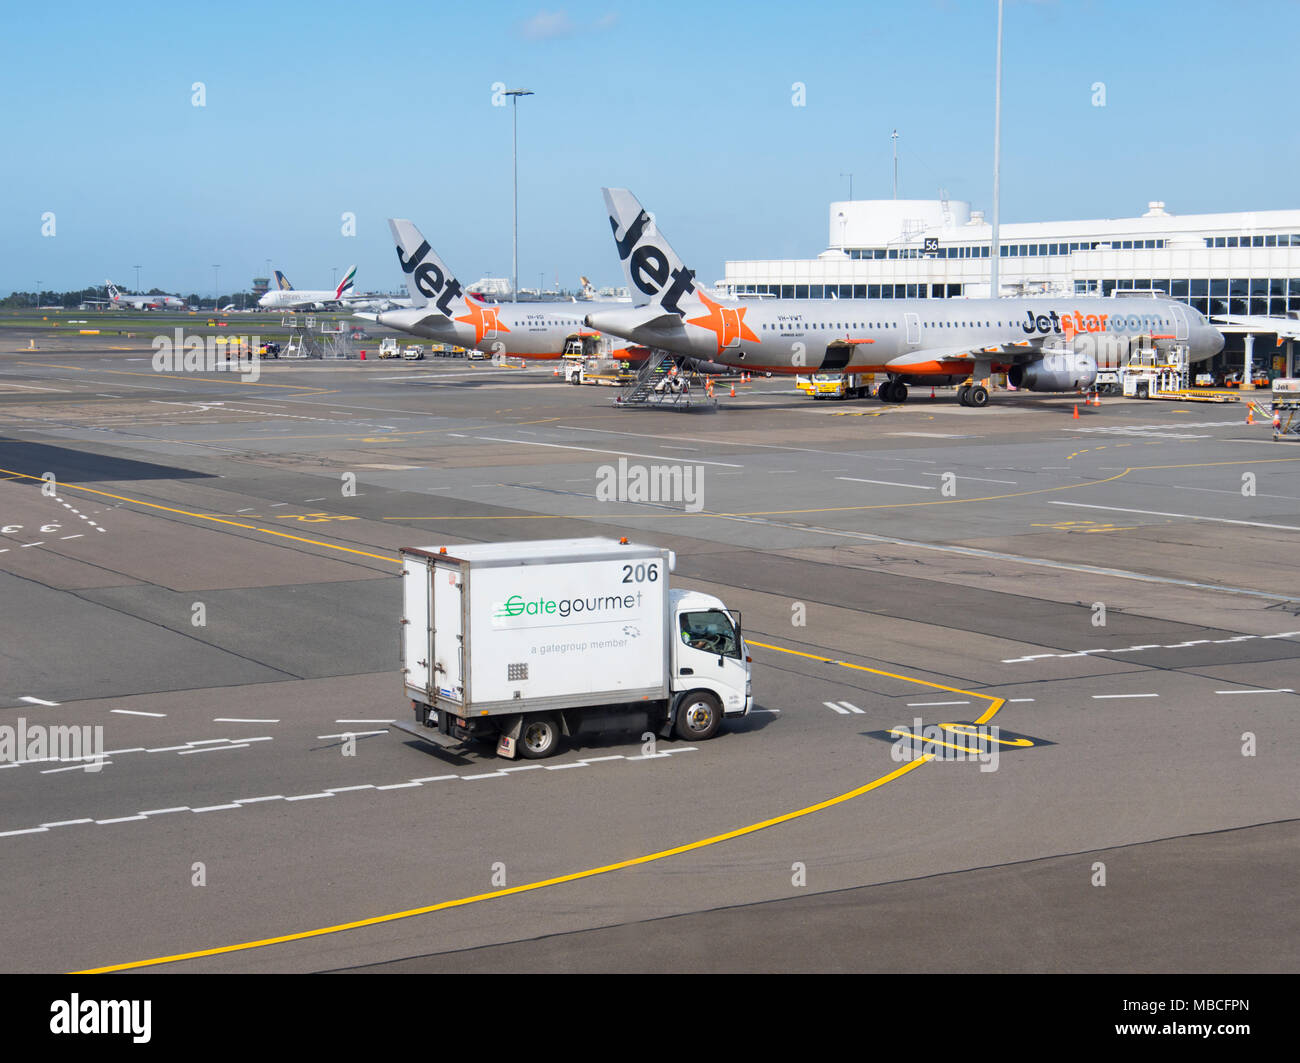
[{"x": 708, "y": 655}]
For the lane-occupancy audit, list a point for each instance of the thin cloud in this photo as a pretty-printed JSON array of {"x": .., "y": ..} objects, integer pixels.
[{"x": 556, "y": 25}]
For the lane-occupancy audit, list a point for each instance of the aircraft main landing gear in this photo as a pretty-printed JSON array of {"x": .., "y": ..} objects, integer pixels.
[
  {"x": 892, "y": 391},
  {"x": 973, "y": 395}
]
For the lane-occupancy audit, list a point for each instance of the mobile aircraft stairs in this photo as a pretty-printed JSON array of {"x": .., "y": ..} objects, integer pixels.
[{"x": 662, "y": 382}]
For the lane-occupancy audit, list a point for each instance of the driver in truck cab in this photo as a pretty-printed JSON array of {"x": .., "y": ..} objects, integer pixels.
[{"x": 709, "y": 631}]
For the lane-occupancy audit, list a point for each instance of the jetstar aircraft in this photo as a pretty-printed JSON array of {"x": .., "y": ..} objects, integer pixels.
[
  {"x": 1043, "y": 344},
  {"x": 442, "y": 311}
]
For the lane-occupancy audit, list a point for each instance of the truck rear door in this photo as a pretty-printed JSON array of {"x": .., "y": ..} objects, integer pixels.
[
  {"x": 448, "y": 632},
  {"x": 416, "y": 637}
]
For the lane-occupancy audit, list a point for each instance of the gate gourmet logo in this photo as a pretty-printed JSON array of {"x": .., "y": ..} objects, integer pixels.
[{"x": 516, "y": 605}]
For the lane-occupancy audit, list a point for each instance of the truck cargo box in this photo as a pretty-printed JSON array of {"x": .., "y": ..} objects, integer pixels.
[{"x": 519, "y": 627}]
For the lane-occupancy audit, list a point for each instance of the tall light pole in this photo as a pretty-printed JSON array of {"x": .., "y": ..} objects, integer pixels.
[
  {"x": 514, "y": 95},
  {"x": 216, "y": 288},
  {"x": 994, "y": 249},
  {"x": 137, "y": 280},
  {"x": 894, "y": 137},
  {"x": 850, "y": 177}
]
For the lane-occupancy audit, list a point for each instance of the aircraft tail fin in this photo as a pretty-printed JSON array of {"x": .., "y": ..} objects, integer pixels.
[
  {"x": 282, "y": 282},
  {"x": 656, "y": 275},
  {"x": 346, "y": 283},
  {"x": 428, "y": 280}
]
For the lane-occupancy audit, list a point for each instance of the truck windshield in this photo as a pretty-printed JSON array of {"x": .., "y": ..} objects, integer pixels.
[{"x": 711, "y": 631}]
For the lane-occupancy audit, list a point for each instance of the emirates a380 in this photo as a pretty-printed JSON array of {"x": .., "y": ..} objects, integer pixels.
[{"x": 1042, "y": 343}]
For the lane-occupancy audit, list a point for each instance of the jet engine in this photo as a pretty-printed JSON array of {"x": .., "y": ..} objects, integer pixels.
[{"x": 1056, "y": 371}]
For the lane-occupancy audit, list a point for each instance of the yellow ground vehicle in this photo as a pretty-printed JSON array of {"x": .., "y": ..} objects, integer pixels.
[{"x": 835, "y": 385}]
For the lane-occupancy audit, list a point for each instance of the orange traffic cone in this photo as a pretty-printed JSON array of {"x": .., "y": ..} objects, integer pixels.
[
  {"x": 931, "y": 391},
  {"x": 733, "y": 391},
  {"x": 1076, "y": 412},
  {"x": 1250, "y": 414}
]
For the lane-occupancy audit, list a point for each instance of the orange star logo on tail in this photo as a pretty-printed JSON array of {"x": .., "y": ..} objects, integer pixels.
[
  {"x": 725, "y": 322},
  {"x": 483, "y": 319}
]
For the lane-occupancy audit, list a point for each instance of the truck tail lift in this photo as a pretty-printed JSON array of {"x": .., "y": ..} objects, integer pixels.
[{"x": 524, "y": 643}]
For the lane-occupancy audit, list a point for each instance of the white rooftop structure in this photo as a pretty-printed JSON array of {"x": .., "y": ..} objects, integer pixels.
[{"x": 1239, "y": 263}]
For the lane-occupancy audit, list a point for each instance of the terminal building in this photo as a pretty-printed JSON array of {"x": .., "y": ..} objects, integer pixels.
[{"x": 1241, "y": 264}]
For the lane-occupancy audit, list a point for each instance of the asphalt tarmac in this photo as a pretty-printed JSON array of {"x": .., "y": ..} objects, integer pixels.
[{"x": 209, "y": 576}]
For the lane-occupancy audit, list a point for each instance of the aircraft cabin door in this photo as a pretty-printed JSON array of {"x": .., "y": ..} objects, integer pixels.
[
  {"x": 913, "y": 323},
  {"x": 1180, "y": 323}
]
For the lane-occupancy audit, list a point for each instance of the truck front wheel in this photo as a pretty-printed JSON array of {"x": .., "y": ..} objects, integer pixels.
[
  {"x": 698, "y": 717},
  {"x": 539, "y": 737}
]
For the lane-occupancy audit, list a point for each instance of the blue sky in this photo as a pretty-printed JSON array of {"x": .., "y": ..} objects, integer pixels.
[{"x": 313, "y": 110}]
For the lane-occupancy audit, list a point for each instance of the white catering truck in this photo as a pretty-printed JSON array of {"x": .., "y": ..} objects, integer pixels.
[{"x": 526, "y": 642}]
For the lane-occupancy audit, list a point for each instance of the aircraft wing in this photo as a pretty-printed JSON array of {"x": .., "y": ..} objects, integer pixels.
[
  {"x": 1285, "y": 327},
  {"x": 660, "y": 321},
  {"x": 927, "y": 355},
  {"x": 1026, "y": 351}
]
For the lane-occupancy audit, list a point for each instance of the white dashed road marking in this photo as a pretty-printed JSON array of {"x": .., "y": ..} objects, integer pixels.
[{"x": 1151, "y": 646}]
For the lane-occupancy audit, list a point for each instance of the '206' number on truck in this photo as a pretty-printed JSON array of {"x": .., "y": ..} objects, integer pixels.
[{"x": 640, "y": 573}]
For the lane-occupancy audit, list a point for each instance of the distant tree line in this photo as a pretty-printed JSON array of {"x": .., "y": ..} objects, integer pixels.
[{"x": 71, "y": 300}]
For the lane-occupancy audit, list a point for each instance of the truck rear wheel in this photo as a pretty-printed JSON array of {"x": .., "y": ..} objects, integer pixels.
[
  {"x": 698, "y": 717},
  {"x": 539, "y": 737}
]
